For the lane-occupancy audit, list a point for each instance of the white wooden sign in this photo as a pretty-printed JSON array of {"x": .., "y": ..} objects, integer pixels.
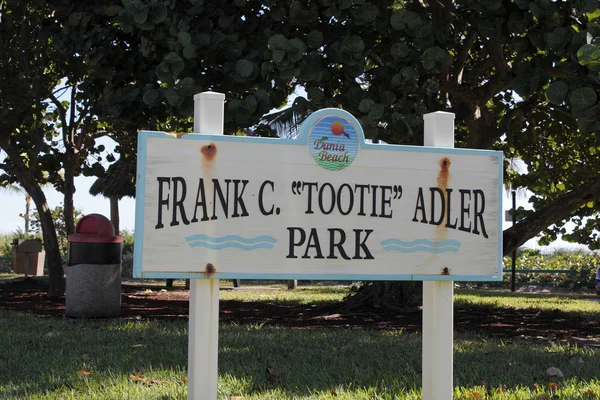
[{"x": 326, "y": 205}]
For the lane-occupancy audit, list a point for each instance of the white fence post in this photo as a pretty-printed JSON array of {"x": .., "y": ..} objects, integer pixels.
[
  {"x": 438, "y": 296},
  {"x": 203, "y": 335}
]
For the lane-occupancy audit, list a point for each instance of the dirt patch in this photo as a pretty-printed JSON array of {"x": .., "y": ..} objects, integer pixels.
[{"x": 160, "y": 303}]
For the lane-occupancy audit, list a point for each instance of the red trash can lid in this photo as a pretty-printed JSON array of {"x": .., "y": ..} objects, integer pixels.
[{"x": 95, "y": 228}]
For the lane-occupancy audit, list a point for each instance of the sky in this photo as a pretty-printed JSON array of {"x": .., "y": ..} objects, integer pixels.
[{"x": 13, "y": 204}]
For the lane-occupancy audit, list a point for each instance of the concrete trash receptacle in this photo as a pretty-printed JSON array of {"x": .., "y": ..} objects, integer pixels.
[{"x": 94, "y": 269}]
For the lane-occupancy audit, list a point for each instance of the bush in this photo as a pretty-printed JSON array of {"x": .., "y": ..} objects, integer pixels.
[
  {"x": 582, "y": 267},
  {"x": 5, "y": 245},
  {"x": 127, "y": 267}
]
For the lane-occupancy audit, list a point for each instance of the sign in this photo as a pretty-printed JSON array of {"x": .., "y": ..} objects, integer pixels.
[{"x": 326, "y": 205}]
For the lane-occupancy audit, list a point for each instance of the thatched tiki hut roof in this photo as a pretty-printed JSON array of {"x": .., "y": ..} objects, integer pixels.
[{"x": 118, "y": 182}]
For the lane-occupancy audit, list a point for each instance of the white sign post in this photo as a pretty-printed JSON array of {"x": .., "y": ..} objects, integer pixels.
[
  {"x": 438, "y": 296},
  {"x": 326, "y": 205}
]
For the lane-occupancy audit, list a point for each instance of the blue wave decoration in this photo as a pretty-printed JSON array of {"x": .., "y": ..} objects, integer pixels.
[
  {"x": 231, "y": 241},
  {"x": 443, "y": 246}
]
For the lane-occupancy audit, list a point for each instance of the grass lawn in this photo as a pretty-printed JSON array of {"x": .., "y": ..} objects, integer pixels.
[{"x": 56, "y": 359}]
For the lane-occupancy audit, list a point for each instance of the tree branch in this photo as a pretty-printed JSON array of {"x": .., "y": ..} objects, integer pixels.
[
  {"x": 63, "y": 115},
  {"x": 461, "y": 59},
  {"x": 558, "y": 209}
]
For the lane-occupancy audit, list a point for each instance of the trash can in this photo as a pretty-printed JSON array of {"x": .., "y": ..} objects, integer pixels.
[
  {"x": 28, "y": 257},
  {"x": 94, "y": 269}
]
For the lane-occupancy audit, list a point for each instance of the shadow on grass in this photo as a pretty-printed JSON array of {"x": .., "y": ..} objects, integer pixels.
[{"x": 41, "y": 358}]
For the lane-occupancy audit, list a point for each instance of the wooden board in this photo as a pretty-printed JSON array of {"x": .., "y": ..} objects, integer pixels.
[{"x": 324, "y": 206}]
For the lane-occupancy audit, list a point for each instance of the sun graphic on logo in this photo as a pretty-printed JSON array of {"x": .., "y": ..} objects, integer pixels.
[{"x": 337, "y": 128}]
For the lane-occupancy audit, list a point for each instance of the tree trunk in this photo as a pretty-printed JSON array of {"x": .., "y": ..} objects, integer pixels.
[
  {"x": 27, "y": 212},
  {"x": 27, "y": 181},
  {"x": 68, "y": 198},
  {"x": 114, "y": 213}
]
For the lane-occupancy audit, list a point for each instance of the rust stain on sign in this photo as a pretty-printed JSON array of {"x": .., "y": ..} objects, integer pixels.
[
  {"x": 444, "y": 174},
  {"x": 209, "y": 151},
  {"x": 210, "y": 268},
  {"x": 442, "y": 182}
]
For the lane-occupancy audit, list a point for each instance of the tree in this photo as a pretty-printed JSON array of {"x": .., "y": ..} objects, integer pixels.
[
  {"x": 53, "y": 50},
  {"x": 118, "y": 183},
  {"x": 521, "y": 76},
  {"x": 24, "y": 82}
]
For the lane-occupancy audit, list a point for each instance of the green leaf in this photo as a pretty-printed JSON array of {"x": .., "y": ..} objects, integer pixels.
[
  {"x": 345, "y": 4},
  {"x": 368, "y": 12},
  {"x": 175, "y": 62},
  {"x": 354, "y": 95},
  {"x": 151, "y": 97},
  {"x": 588, "y": 6},
  {"x": 225, "y": 21},
  {"x": 376, "y": 111},
  {"x": 589, "y": 55},
  {"x": 365, "y": 105},
  {"x": 158, "y": 14},
  {"x": 278, "y": 42},
  {"x": 244, "y": 68},
  {"x": 412, "y": 20},
  {"x": 557, "y": 92},
  {"x": 189, "y": 52},
  {"x": 113, "y": 10},
  {"x": 203, "y": 40},
  {"x": 558, "y": 39},
  {"x": 295, "y": 9},
  {"x": 184, "y": 38},
  {"x": 388, "y": 97},
  {"x": 434, "y": 57},
  {"x": 583, "y": 98},
  {"x": 173, "y": 97},
  {"x": 296, "y": 49},
  {"x": 353, "y": 44},
  {"x": 163, "y": 72},
  {"x": 593, "y": 15},
  {"x": 140, "y": 14},
  {"x": 315, "y": 39},
  {"x": 250, "y": 104},
  {"x": 397, "y": 20},
  {"x": 399, "y": 50},
  {"x": 278, "y": 55}
]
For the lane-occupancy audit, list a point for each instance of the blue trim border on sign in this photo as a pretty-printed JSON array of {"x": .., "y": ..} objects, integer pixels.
[{"x": 301, "y": 140}]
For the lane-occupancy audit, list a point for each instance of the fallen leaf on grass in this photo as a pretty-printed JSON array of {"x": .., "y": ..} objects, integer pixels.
[
  {"x": 148, "y": 291},
  {"x": 184, "y": 379},
  {"x": 149, "y": 382},
  {"x": 555, "y": 372},
  {"x": 475, "y": 395},
  {"x": 50, "y": 334},
  {"x": 135, "y": 346},
  {"x": 553, "y": 385},
  {"x": 83, "y": 372},
  {"x": 85, "y": 357},
  {"x": 577, "y": 361}
]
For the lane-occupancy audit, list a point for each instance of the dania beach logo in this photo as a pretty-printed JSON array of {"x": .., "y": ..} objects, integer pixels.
[{"x": 333, "y": 142}]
